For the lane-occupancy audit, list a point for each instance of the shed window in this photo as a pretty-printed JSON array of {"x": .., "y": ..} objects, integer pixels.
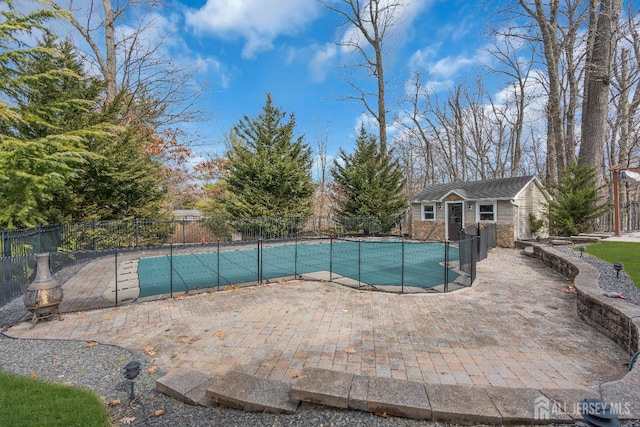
[
  {"x": 429, "y": 212},
  {"x": 487, "y": 211}
]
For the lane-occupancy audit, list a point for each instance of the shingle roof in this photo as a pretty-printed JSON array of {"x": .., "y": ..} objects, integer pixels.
[{"x": 504, "y": 188}]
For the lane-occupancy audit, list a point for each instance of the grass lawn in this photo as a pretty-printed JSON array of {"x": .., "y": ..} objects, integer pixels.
[
  {"x": 33, "y": 402},
  {"x": 628, "y": 253}
]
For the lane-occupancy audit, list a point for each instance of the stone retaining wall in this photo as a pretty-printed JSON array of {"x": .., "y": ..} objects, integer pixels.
[{"x": 611, "y": 316}]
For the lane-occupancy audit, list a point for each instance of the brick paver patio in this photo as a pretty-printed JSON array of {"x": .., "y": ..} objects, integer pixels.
[{"x": 516, "y": 328}]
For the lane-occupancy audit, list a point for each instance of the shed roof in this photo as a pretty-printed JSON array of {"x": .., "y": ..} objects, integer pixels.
[
  {"x": 502, "y": 188},
  {"x": 183, "y": 213}
]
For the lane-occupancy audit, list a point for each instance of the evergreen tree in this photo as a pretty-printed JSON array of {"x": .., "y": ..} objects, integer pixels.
[
  {"x": 121, "y": 183},
  {"x": 42, "y": 144},
  {"x": 61, "y": 156},
  {"x": 576, "y": 202},
  {"x": 269, "y": 171},
  {"x": 369, "y": 183}
]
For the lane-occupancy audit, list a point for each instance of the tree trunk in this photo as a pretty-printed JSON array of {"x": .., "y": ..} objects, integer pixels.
[
  {"x": 594, "y": 112},
  {"x": 373, "y": 19},
  {"x": 110, "y": 44},
  {"x": 548, "y": 30},
  {"x": 382, "y": 113}
]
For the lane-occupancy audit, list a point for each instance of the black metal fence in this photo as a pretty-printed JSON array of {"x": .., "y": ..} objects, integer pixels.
[
  {"x": 475, "y": 242},
  {"x": 106, "y": 235},
  {"x": 114, "y": 243}
]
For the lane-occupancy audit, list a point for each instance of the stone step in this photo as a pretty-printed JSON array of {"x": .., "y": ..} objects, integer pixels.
[
  {"x": 398, "y": 398},
  {"x": 456, "y": 404},
  {"x": 323, "y": 386},
  {"x": 379, "y": 395},
  {"x": 467, "y": 405},
  {"x": 187, "y": 385},
  {"x": 525, "y": 406},
  {"x": 252, "y": 394}
]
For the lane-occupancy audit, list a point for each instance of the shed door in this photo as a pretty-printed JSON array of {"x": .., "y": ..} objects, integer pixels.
[{"x": 454, "y": 220}]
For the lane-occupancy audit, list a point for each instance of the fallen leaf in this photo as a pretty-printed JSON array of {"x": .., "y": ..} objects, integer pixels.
[
  {"x": 444, "y": 372},
  {"x": 114, "y": 402},
  {"x": 158, "y": 412},
  {"x": 127, "y": 420},
  {"x": 90, "y": 344},
  {"x": 108, "y": 318},
  {"x": 222, "y": 334},
  {"x": 351, "y": 351},
  {"x": 179, "y": 297},
  {"x": 33, "y": 374},
  {"x": 152, "y": 369},
  {"x": 150, "y": 350},
  {"x": 232, "y": 287},
  {"x": 184, "y": 340},
  {"x": 55, "y": 356},
  {"x": 79, "y": 313},
  {"x": 381, "y": 414},
  {"x": 196, "y": 338}
]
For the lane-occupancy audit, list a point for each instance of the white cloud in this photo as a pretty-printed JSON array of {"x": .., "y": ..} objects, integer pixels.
[
  {"x": 369, "y": 122},
  {"x": 449, "y": 66},
  {"x": 211, "y": 66},
  {"x": 321, "y": 61},
  {"x": 259, "y": 22},
  {"x": 421, "y": 57}
]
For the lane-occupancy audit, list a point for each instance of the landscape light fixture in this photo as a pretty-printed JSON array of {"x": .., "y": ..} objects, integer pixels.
[
  {"x": 582, "y": 249},
  {"x": 617, "y": 267},
  {"x": 131, "y": 371},
  {"x": 597, "y": 413}
]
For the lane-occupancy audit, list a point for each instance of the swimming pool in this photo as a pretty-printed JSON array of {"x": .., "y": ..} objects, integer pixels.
[{"x": 375, "y": 263}]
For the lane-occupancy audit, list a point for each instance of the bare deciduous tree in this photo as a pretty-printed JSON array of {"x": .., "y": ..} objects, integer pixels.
[
  {"x": 548, "y": 26},
  {"x": 322, "y": 200},
  {"x": 516, "y": 68},
  {"x": 126, "y": 42},
  {"x": 373, "y": 20}
]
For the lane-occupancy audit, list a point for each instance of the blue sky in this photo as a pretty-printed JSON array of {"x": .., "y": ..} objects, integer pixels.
[
  {"x": 247, "y": 48},
  {"x": 243, "y": 49}
]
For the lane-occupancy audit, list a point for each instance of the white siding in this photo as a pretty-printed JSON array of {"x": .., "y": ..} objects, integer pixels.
[
  {"x": 530, "y": 200},
  {"x": 506, "y": 212}
]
